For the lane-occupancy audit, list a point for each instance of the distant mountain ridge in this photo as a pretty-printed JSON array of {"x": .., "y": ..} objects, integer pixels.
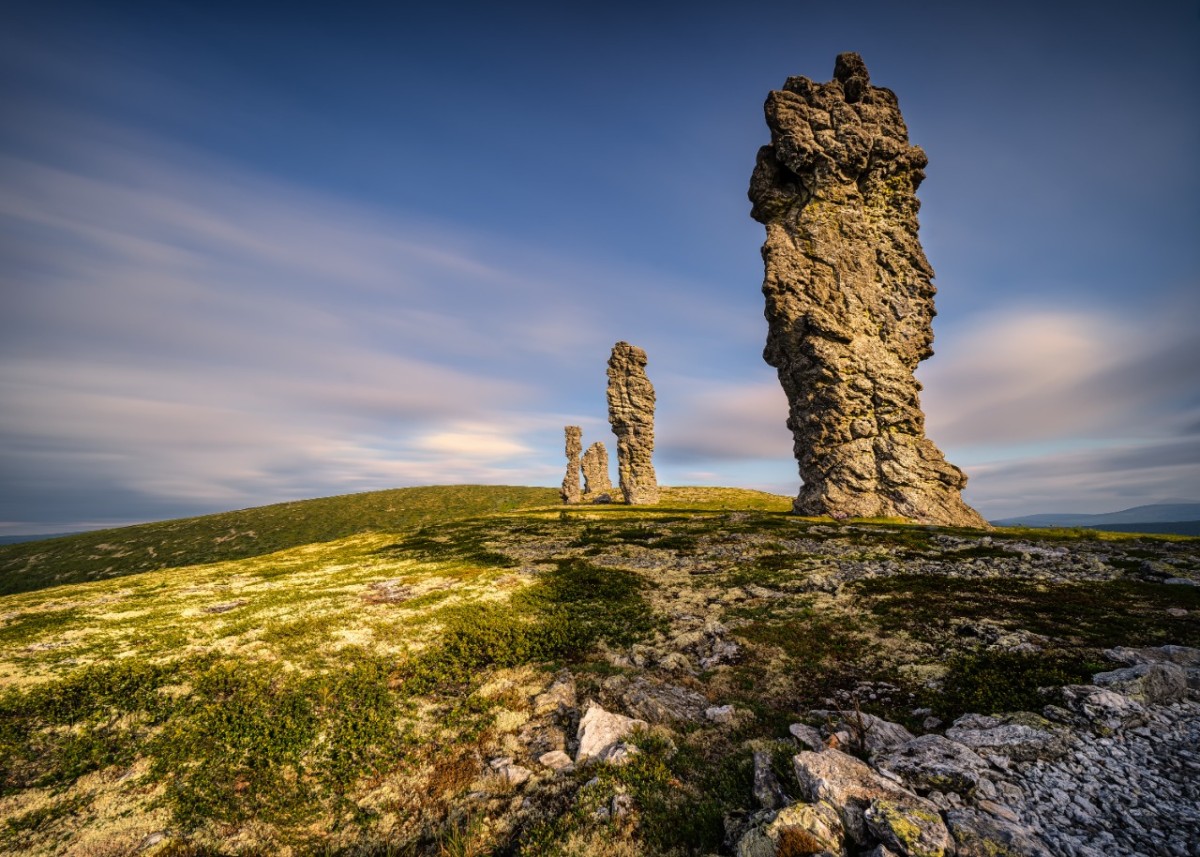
[
  {"x": 35, "y": 537},
  {"x": 1156, "y": 513}
]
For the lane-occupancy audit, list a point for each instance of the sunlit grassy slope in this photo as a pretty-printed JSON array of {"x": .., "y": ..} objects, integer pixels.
[
  {"x": 248, "y": 533},
  {"x": 333, "y": 677}
]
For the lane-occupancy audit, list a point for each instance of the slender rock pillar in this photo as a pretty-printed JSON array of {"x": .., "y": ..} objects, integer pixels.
[
  {"x": 631, "y": 413},
  {"x": 849, "y": 302},
  {"x": 595, "y": 471},
  {"x": 570, "y": 484}
]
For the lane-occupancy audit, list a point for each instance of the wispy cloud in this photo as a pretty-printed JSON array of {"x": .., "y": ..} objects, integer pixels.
[
  {"x": 1034, "y": 375},
  {"x": 472, "y": 442},
  {"x": 722, "y": 421},
  {"x": 183, "y": 333},
  {"x": 1086, "y": 410}
]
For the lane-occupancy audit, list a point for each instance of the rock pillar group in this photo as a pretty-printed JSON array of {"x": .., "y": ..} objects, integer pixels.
[
  {"x": 631, "y": 414},
  {"x": 849, "y": 300},
  {"x": 593, "y": 466}
]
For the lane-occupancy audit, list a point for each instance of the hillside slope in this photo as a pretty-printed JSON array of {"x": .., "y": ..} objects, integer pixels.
[
  {"x": 247, "y": 533},
  {"x": 1156, "y": 513},
  {"x": 394, "y": 691},
  {"x": 1178, "y": 528}
]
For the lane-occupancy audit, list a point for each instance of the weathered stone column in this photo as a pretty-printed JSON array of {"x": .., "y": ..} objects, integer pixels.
[
  {"x": 849, "y": 302},
  {"x": 596, "y": 480},
  {"x": 570, "y": 484},
  {"x": 631, "y": 413}
]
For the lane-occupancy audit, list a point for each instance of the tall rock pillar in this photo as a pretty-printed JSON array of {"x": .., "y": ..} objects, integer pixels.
[
  {"x": 631, "y": 413},
  {"x": 849, "y": 302},
  {"x": 570, "y": 485}
]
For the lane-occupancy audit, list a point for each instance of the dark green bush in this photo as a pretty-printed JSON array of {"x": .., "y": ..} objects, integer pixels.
[{"x": 996, "y": 682}]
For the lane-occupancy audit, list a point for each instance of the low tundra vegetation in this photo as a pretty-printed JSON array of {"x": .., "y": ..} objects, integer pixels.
[{"x": 342, "y": 681}]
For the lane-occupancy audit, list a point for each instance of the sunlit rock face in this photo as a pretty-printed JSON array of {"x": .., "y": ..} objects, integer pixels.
[
  {"x": 570, "y": 486},
  {"x": 631, "y": 414},
  {"x": 849, "y": 300},
  {"x": 595, "y": 471}
]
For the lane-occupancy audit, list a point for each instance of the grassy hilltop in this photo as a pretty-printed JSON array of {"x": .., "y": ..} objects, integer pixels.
[
  {"x": 248, "y": 533},
  {"x": 334, "y": 676}
]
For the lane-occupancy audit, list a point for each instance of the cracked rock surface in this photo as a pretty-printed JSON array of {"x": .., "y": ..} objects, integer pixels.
[
  {"x": 849, "y": 300},
  {"x": 631, "y": 413},
  {"x": 595, "y": 471},
  {"x": 1101, "y": 787},
  {"x": 570, "y": 485}
]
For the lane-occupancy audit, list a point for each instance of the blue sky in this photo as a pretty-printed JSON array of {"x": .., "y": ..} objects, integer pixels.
[{"x": 256, "y": 252}]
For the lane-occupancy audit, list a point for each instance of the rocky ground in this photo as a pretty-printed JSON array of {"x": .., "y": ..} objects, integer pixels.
[
  {"x": 1098, "y": 768},
  {"x": 1112, "y": 772},
  {"x": 682, "y": 679}
]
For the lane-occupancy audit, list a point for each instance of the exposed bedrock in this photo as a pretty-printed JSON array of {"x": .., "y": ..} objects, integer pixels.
[
  {"x": 570, "y": 485},
  {"x": 631, "y": 413},
  {"x": 849, "y": 300},
  {"x": 596, "y": 480}
]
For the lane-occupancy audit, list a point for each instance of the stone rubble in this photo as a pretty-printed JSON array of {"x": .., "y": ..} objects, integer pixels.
[
  {"x": 849, "y": 300},
  {"x": 1101, "y": 774},
  {"x": 724, "y": 714},
  {"x": 814, "y": 826},
  {"x": 1075, "y": 782},
  {"x": 556, "y": 760},
  {"x": 768, "y": 791},
  {"x": 602, "y": 735},
  {"x": 655, "y": 702},
  {"x": 871, "y": 808},
  {"x": 631, "y": 414},
  {"x": 864, "y": 731}
]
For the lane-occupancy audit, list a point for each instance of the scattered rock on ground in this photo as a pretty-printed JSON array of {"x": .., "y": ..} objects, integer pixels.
[
  {"x": 720, "y": 714},
  {"x": 935, "y": 763},
  {"x": 1014, "y": 736},
  {"x": 800, "y": 828},
  {"x": 872, "y": 734},
  {"x": 808, "y": 736},
  {"x": 852, "y": 788},
  {"x": 555, "y": 760},
  {"x": 602, "y": 733},
  {"x": 655, "y": 701},
  {"x": 1150, "y": 683},
  {"x": 767, "y": 789},
  {"x": 979, "y": 835}
]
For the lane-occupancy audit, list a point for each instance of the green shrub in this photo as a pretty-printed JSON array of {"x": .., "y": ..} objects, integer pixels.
[
  {"x": 996, "y": 682},
  {"x": 559, "y": 618}
]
